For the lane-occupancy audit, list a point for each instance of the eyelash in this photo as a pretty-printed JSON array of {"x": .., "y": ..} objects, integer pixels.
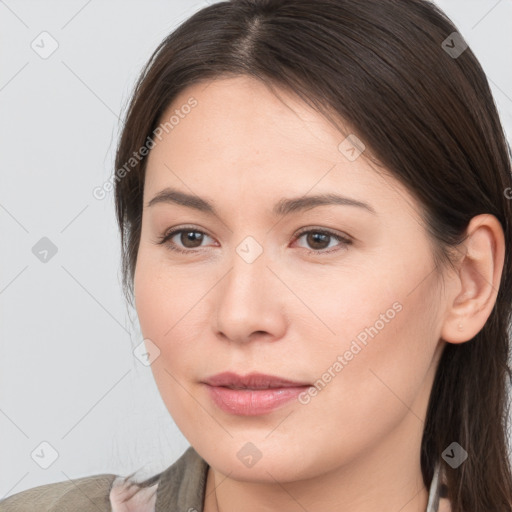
[{"x": 167, "y": 236}]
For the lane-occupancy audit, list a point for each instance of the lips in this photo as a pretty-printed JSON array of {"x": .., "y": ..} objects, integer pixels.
[
  {"x": 252, "y": 394},
  {"x": 251, "y": 381}
]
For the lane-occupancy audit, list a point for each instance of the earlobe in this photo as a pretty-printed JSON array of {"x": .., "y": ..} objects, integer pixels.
[{"x": 477, "y": 281}]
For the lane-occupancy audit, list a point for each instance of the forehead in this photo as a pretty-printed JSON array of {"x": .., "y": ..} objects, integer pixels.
[
  {"x": 241, "y": 117},
  {"x": 240, "y": 139}
]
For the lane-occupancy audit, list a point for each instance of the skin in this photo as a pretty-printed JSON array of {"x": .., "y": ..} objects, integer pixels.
[{"x": 356, "y": 444}]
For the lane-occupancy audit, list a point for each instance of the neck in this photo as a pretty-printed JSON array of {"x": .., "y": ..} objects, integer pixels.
[{"x": 387, "y": 477}]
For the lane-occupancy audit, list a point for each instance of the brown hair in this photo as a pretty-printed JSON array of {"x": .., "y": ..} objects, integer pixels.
[{"x": 427, "y": 116}]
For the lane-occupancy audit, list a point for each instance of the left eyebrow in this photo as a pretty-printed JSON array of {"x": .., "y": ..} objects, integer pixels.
[
  {"x": 281, "y": 208},
  {"x": 286, "y": 206}
]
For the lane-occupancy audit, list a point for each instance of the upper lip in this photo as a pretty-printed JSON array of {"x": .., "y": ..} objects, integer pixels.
[{"x": 251, "y": 381}]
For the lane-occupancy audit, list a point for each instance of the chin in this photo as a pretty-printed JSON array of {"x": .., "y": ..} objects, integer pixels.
[{"x": 279, "y": 462}]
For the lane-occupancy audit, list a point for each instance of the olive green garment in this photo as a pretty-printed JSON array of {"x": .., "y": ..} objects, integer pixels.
[{"x": 181, "y": 487}]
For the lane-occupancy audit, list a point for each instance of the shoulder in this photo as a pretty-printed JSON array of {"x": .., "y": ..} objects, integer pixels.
[
  {"x": 179, "y": 487},
  {"x": 182, "y": 485},
  {"x": 81, "y": 494}
]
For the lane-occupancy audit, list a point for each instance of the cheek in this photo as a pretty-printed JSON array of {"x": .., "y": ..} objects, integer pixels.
[
  {"x": 169, "y": 304},
  {"x": 381, "y": 339},
  {"x": 163, "y": 294},
  {"x": 162, "y": 304}
]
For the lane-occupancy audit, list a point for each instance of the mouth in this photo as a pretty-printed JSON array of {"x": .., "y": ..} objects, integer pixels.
[
  {"x": 253, "y": 381},
  {"x": 252, "y": 394}
]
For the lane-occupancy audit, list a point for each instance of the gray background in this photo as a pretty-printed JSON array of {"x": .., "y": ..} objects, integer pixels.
[{"x": 68, "y": 376}]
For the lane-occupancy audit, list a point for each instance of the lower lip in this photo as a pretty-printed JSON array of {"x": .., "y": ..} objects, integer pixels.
[{"x": 252, "y": 402}]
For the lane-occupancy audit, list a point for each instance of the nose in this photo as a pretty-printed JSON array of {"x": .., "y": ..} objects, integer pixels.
[{"x": 250, "y": 302}]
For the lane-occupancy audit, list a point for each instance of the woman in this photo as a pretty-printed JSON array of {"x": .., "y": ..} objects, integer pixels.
[{"x": 312, "y": 196}]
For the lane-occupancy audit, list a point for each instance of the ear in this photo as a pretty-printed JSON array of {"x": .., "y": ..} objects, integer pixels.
[{"x": 477, "y": 282}]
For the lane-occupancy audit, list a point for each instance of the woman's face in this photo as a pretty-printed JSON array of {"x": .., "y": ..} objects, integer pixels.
[{"x": 262, "y": 289}]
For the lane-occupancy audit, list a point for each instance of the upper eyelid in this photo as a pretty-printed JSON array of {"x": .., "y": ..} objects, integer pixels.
[
  {"x": 171, "y": 233},
  {"x": 174, "y": 231}
]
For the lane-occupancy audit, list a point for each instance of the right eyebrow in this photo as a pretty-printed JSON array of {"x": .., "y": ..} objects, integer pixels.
[{"x": 171, "y": 195}]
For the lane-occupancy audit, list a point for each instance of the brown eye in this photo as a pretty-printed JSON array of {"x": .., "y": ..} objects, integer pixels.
[
  {"x": 188, "y": 239},
  {"x": 191, "y": 239},
  {"x": 317, "y": 240},
  {"x": 320, "y": 239}
]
